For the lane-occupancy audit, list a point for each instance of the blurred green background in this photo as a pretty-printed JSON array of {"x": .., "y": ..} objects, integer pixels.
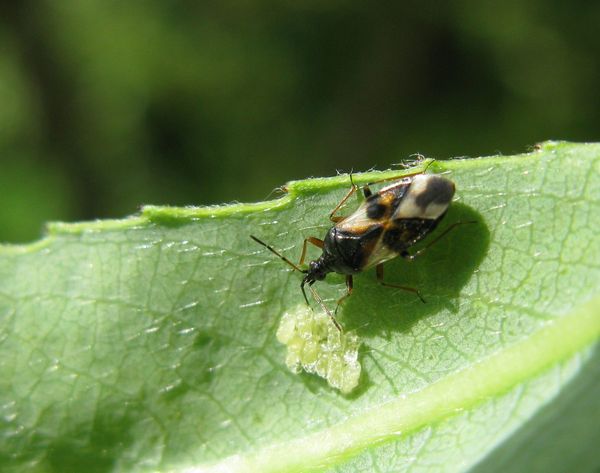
[{"x": 106, "y": 105}]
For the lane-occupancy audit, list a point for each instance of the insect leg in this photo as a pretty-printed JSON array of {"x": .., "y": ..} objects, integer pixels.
[
  {"x": 408, "y": 256},
  {"x": 315, "y": 241},
  {"x": 352, "y": 190},
  {"x": 349, "y": 287},
  {"x": 379, "y": 269}
]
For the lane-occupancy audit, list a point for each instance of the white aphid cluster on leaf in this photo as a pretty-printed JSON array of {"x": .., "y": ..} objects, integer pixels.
[{"x": 317, "y": 346}]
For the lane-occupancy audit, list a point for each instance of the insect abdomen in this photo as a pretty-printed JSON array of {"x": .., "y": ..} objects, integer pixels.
[{"x": 404, "y": 233}]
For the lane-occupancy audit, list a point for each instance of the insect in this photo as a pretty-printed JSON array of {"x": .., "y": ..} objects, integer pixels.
[{"x": 384, "y": 226}]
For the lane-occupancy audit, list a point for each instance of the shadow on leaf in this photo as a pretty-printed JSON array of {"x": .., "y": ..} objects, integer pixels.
[{"x": 439, "y": 273}]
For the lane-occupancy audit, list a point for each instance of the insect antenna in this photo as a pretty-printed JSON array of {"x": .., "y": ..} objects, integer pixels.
[
  {"x": 305, "y": 281},
  {"x": 273, "y": 250},
  {"x": 315, "y": 294}
]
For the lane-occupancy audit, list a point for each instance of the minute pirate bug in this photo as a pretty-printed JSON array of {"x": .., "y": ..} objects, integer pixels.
[{"x": 384, "y": 226}]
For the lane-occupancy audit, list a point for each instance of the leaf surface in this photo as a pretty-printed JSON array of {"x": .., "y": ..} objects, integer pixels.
[{"x": 149, "y": 343}]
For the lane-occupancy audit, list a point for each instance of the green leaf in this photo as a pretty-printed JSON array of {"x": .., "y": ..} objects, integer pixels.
[{"x": 150, "y": 343}]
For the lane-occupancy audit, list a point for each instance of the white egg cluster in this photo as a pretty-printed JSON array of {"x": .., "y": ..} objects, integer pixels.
[{"x": 315, "y": 345}]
